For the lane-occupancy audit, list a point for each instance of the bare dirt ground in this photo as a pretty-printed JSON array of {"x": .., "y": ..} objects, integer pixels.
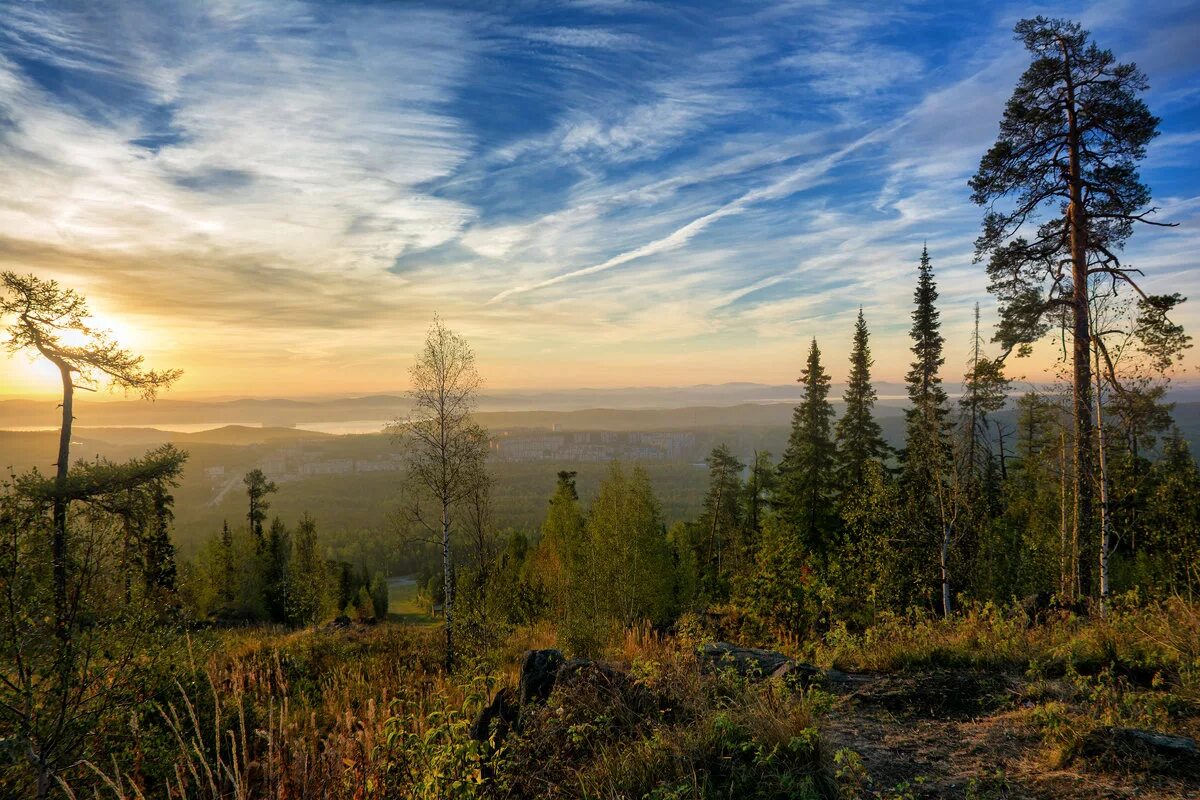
[{"x": 963, "y": 735}]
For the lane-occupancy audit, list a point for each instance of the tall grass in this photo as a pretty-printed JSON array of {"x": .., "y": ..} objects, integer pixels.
[
  {"x": 368, "y": 713},
  {"x": 1139, "y": 640}
]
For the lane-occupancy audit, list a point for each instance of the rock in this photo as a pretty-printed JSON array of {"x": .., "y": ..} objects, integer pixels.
[
  {"x": 611, "y": 688},
  {"x": 1141, "y": 749},
  {"x": 339, "y": 622},
  {"x": 750, "y": 662},
  {"x": 539, "y": 671},
  {"x": 576, "y": 667},
  {"x": 796, "y": 673},
  {"x": 756, "y": 664},
  {"x": 503, "y": 711}
]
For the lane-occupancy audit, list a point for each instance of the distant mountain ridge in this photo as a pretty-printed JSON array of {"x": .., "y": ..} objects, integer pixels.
[{"x": 286, "y": 412}]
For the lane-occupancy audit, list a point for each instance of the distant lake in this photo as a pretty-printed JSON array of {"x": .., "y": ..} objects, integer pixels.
[{"x": 350, "y": 426}]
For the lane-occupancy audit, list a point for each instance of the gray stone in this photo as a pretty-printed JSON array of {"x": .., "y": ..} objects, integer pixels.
[
  {"x": 539, "y": 671},
  {"x": 756, "y": 664}
]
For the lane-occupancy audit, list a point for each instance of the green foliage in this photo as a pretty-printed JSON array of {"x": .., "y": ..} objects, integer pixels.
[
  {"x": 308, "y": 592},
  {"x": 858, "y": 436},
  {"x": 778, "y": 589},
  {"x": 276, "y": 568},
  {"x": 806, "y": 473},
  {"x": 926, "y": 449},
  {"x": 601, "y": 737},
  {"x": 379, "y": 596},
  {"x": 69, "y": 680},
  {"x": 623, "y": 573},
  {"x": 719, "y": 538},
  {"x": 561, "y": 543},
  {"x": 1173, "y": 523},
  {"x": 926, "y": 480},
  {"x": 870, "y": 573},
  {"x": 429, "y": 750},
  {"x": 364, "y": 605},
  {"x": 257, "y": 488},
  {"x": 497, "y": 596},
  {"x": 1103, "y": 138}
]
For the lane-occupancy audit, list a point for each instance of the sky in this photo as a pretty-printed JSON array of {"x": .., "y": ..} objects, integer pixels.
[{"x": 277, "y": 196}]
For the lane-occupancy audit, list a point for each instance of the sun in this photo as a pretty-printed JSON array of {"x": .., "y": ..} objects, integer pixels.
[{"x": 27, "y": 374}]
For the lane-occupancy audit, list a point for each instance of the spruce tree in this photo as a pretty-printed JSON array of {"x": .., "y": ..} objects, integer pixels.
[
  {"x": 228, "y": 569},
  {"x": 158, "y": 568},
  {"x": 806, "y": 474},
  {"x": 858, "y": 436},
  {"x": 276, "y": 563},
  {"x": 1173, "y": 524},
  {"x": 782, "y": 579},
  {"x": 760, "y": 485},
  {"x": 926, "y": 448},
  {"x": 624, "y": 572},
  {"x": 307, "y": 577},
  {"x": 926, "y": 475},
  {"x": 985, "y": 391}
]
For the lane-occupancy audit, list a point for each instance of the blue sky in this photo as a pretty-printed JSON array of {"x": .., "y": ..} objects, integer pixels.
[{"x": 277, "y": 196}]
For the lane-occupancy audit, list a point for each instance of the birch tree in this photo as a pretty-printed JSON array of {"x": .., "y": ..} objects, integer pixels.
[{"x": 446, "y": 449}]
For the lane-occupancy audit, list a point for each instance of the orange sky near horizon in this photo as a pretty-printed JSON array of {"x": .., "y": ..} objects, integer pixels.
[{"x": 291, "y": 372}]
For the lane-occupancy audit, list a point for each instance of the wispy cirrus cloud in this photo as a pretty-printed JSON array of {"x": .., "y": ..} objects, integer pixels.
[{"x": 592, "y": 191}]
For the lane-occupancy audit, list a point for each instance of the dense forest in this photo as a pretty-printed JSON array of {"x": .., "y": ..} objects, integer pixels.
[{"x": 1031, "y": 559}]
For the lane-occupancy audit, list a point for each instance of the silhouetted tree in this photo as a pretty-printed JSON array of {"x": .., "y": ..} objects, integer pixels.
[
  {"x": 56, "y": 323},
  {"x": 257, "y": 489}
]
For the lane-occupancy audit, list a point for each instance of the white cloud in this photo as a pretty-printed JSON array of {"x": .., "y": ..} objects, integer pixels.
[{"x": 709, "y": 184}]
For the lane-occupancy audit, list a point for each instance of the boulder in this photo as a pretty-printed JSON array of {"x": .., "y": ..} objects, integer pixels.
[
  {"x": 539, "y": 671},
  {"x": 756, "y": 664},
  {"x": 539, "y": 674},
  {"x": 497, "y": 718},
  {"x": 749, "y": 662}
]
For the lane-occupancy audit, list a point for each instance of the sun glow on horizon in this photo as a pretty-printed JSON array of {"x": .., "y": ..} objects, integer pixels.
[{"x": 28, "y": 374}]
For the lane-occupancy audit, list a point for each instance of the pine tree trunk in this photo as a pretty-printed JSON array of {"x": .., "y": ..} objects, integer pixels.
[
  {"x": 58, "y": 542},
  {"x": 1105, "y": 521},
  {"x": 1064, "y": 563},
  {"x": 1081, "y": 334}
]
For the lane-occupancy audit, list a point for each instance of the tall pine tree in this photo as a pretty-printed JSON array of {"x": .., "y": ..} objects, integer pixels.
[
  {"x": 859, "y": 438},
  {"x": 806, "y": 474},
  {"x": 1063, "y": 194}
]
